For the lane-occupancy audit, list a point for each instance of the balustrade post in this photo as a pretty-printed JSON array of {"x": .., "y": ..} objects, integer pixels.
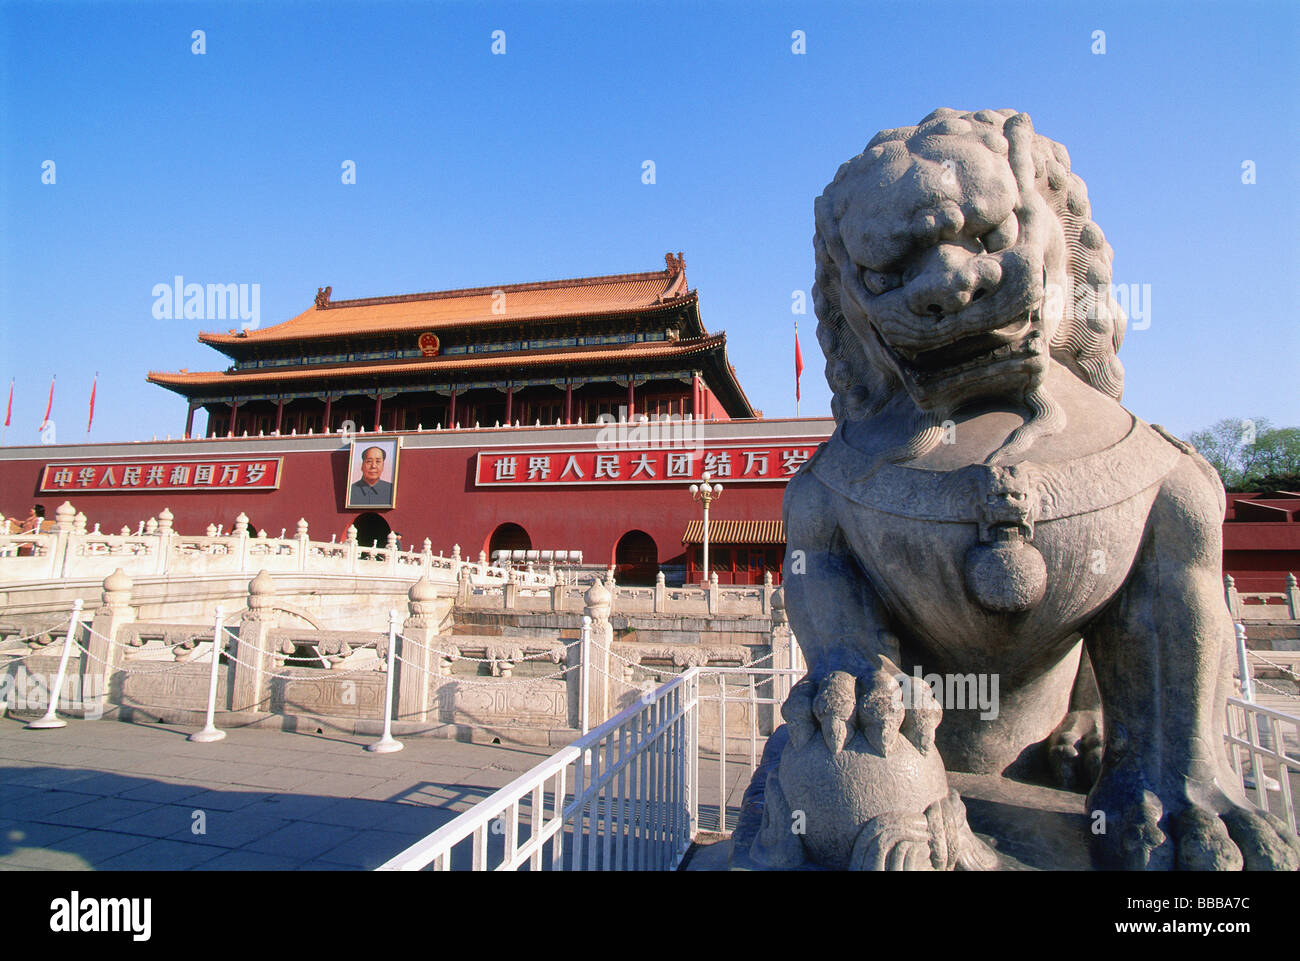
[
  {"x": 1232, "y": 597},
  {"x": 714, "y": 594},
  {"x": 304, "y": 543},
  {"x": 115, "y": 610},
  {"x": 661, "y": 593},
  {"x": 414, "y": 647},
  {"x": 1292, "y": 597},
  {"x": 781, "y": 641},
  {"x": 61, "y": 558},
  {"x": 351, "y": 543},
  {"x": 390, "y": 552},
  {"x": 250, "y": 690},
  {"x": 166, "y": 538},
  {"x": 241, "y": 543},
  {"x": 595, "y": 665},
  {"x": 510, "y": 591}
]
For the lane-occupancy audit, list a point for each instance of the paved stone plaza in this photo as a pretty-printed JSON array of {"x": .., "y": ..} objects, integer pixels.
[{"x": 105, "y": 795}]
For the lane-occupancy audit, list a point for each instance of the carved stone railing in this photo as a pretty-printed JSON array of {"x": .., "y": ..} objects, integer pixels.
[
  {"x": 69, "y": 551},
  {"x": 713, "y": 601},
  {"x": 1263, "y": 605}
]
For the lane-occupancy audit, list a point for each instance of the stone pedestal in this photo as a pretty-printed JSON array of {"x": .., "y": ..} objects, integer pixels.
[{"x": 1030, "y": 828}]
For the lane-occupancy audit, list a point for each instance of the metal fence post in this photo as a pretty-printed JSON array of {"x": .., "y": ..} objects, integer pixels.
[
  {"x": 210, "y": 732},
  {"x": 49, "y": 719},
  {"x": 386, "y": 744},
  {"x": 585, "y": 670}
]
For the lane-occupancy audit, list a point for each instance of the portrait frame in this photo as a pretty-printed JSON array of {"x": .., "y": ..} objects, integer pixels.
[{"x": 356, "y": 494}]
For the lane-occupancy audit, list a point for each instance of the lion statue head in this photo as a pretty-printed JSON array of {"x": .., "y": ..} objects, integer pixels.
[{"x": 955, "y": 260}]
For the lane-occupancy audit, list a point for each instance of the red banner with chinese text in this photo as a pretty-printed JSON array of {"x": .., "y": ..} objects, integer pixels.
[
  {"x": 726, "y": 465},
  {"x": 260, "y": 474}
]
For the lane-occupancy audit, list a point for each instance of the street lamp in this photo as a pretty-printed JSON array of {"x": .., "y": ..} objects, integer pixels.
[{"x": 706, "y": 493}]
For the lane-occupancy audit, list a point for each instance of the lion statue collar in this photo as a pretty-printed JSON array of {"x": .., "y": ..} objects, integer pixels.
[{"x": 969, "y": 495}]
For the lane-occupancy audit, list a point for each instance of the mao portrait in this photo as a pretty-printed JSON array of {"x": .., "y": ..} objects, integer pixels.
[{"x": 372, "y": 474}]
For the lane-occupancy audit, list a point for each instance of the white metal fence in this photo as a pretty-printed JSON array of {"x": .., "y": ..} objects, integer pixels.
[
  {"x": 627, "y": 796},
  {"x": 1264, "y": 746}
]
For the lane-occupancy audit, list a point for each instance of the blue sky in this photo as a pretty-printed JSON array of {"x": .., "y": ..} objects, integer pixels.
[{"x": 477, "y": 169}]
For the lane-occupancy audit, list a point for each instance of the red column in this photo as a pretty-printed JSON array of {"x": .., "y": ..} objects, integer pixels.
[
  {"x": 189, "y": 421},
  {"x": 510, "y": 405},
  {"x": 279, "y": 414},
  {"x": 378, "y": 405},
  {"x": 695, "y": 395},
  {"x": 329, "y": 405},
  {"x": 631, "y": 406},
  {"x": 451, "y": 416},
  {"x": 568, "y": 403},
  {"x": 234, "y": 412}
]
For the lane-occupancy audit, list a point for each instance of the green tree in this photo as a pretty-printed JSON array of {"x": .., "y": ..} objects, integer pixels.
[{"x": 1251, "y": 454}]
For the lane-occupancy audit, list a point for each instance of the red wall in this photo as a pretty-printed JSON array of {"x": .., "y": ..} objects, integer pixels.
[{"x": 435, "y": 496}]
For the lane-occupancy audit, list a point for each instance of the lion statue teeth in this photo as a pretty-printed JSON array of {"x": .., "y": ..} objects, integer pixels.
[{"x": 987, "y": 508}]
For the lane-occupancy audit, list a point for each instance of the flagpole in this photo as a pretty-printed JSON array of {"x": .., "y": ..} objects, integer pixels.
[{"x": 796, "y": 376}]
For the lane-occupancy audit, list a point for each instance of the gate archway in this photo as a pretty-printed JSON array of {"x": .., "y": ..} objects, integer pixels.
[
  {"x": 636, "y": 559},
  {"x": 508, "y": 537},
  {"x": 371, "y": 529}
]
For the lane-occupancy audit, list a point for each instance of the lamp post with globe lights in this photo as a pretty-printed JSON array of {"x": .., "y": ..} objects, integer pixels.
[{"x": 706, "y": 493}]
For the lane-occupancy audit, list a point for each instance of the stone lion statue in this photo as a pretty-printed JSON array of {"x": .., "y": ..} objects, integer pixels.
[{"x": 987, "y": 509}]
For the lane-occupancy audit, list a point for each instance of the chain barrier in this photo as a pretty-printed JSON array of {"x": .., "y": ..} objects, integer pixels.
[
  {"x": 491, "y": 660},
  {"x": 1269, "y": 687},
  {"x": 1284, "y": 670},
  {"x": 498, "y": 682}
]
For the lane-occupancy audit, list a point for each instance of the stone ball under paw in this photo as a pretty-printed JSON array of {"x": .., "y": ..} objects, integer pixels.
[{"x": 840, "y": 792}]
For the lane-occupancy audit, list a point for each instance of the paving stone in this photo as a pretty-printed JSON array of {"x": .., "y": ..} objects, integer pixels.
[
  {"x": 369, "y": 849},
  {"x": 33, "y": 806},
  {"x": 162, "y": 792},
  {"x": 232, "y": 829},
  {"x": 100, "y": 812},
  {"x": 162, "y": 855},
  {"x": 96, "y": 847},
  {"x": 302, "y": 839},
  {"x": 225, "y": 800},
  {"x": 162, "y": 821},
  {"x": 249, "y": 861}
]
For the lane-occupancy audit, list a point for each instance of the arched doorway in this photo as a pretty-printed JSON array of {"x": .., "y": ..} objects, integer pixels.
[
  {"x": 508, "y": 537},
  {"x": 636, "y": 559},
  {"x": 371, "y": 529}
]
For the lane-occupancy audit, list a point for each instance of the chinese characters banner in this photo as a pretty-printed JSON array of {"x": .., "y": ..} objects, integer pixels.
[
  {"x": 724, "y": 464},
  {"x": 225, "y": 475}
]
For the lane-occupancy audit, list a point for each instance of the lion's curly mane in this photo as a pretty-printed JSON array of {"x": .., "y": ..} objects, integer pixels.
[{"x": 1089, "y": 337}]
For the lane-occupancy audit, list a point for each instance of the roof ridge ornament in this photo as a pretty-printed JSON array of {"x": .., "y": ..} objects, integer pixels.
[
  {"x": 323, "y": 297},
  {"x": 675, "y": 265}
]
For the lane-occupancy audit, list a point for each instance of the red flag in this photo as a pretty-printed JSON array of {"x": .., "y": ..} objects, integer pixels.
[
  {"x": 93, "y": 384},
  {"x": 48, "y": 407},
  {"x": 798, "y": 362},
  {"x": 10, "y": 409}
]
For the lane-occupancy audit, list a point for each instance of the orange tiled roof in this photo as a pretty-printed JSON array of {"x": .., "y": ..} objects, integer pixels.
[
  {"x": 580, "y": 297},
  {"x": 736, "y": 532},
  {"x": 454, "y": 362}
]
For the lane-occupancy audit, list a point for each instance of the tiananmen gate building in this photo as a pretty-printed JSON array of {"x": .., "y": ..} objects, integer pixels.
[{"x": 550, "y": 419}]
